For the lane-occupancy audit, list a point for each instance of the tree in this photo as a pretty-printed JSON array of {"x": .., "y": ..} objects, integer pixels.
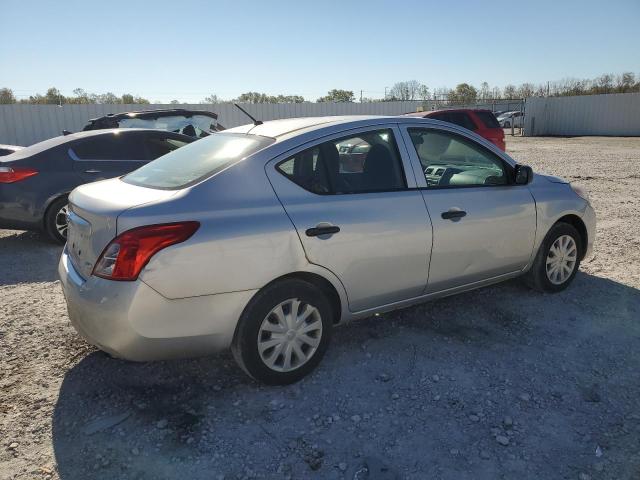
[
  {"x": 509, "y": 92},
  {"x": 604, "y": 83},
  {"x": 7, "y": 96},
  {"x": 463, "y": 94},
  {"x": 625, "y": 82},
  {"x": 405, "y": 90},
  {"x": 54, "y": 97},
  {"x": 485, "y": 91},
  {"x": 140, "y": 100},
  {"x": 255, "y": 97},
  {"x": 127, "y": 98},
  {"x": 213, "y": 98},
  {"x": 526, "y": 90},
  {"x": 337, "y": 95},
  {"x": 81, "y": 96},
  {"x": 423, "y": 92}
]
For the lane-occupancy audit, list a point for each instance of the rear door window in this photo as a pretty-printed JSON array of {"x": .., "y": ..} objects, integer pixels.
[
  {"x": 462, "y": 119},
  {"x": 113, "y": 146},
  {"x": 368, "y": 162},
  {"x": 488, "y": 119}
]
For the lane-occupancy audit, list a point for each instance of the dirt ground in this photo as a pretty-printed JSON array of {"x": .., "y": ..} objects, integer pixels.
[{"x": 502, "y": 382}]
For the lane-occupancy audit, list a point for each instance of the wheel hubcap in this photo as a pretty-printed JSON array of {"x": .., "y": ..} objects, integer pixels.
[
  {"x": 61, "y": 221},
  {"x": 561, "y": 259},
  {"x": 289, "y": 335}
]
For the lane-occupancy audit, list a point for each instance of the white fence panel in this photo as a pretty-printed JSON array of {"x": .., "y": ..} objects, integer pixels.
[
  {"x": 28, "y": 124},
  {"x": 610, "y": 115}
]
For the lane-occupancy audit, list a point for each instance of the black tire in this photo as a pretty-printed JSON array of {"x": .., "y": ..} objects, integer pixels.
[
  {"x": 537, "y": 278},
  {"x": 507, "y": 125},
  {"x": 245, "y": 342},
  {"x": 50, "y": 220}
]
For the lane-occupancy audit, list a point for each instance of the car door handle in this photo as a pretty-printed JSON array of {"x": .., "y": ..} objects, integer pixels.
[
  {"x": 322, "y": 229},
  {"x": 92, "y": 170},
  {"x": 453, "y": 214}
]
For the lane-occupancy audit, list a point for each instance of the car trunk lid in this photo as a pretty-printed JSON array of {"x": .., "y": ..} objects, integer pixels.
[{"x": 93, "y": 213}]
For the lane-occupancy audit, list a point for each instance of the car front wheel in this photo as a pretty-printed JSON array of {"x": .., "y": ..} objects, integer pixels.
[
  {"x": 283, "y": 332},
  {"x": 558, "y": 259}
]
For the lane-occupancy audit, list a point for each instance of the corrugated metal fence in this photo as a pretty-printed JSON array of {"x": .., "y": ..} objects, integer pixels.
[
  {"x": 28, "y": 124},
  {"x": 611, "y": 115}
]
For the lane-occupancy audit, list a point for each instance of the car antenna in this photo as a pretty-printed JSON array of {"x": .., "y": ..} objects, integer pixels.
[{"x": 255, "y": 122}]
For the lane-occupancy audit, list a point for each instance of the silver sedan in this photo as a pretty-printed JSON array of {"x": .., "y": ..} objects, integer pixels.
[{"x": 264, "y": 237}]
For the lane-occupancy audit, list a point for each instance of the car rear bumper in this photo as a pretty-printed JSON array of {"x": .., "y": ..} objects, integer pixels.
[{"x": 132, "y": 321}]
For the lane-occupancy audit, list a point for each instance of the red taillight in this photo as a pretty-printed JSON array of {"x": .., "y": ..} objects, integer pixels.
[
  {"x": 129, "y": 252},
  {"x": 15, "y": 174}
]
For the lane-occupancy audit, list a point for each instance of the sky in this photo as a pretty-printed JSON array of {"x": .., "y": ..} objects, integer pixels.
[{"x": 189, "y": 49}]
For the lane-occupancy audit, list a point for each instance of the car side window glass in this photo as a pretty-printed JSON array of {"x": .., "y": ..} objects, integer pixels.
[
  {"x": 367, "y": 162},
  {"x": 109, "y": 147},
  {"x": 449, "y": 160},
  {"x": 159, "y": 145},
  {"x": 462, "y": 119}
]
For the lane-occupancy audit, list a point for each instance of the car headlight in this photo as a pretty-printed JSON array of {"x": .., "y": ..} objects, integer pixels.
[{"x": 582, "y": 192}]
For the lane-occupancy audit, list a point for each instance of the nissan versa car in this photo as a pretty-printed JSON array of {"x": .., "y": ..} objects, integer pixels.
[
  {"x": 256, "y": 239},
  {"x": 35, "y": 181}
]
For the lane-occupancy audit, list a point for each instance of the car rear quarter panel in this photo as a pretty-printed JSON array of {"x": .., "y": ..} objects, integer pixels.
[
  {"x": 23, "y": 204},
  {"x": 245, "y": 239}
]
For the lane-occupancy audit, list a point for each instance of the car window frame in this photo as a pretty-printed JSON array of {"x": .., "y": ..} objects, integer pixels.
[
  {"x": 507, "y": 163},
  {"x": 405, "y": 162},
  {"x": 71, "y": 151}
]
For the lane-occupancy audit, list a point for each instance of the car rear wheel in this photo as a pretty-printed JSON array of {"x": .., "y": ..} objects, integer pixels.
[
  {"x": 557, "y": 261},
  {"x": 284, "y": 332},
  {"x": 507, "y": 125},
  {"x": 55, "y": 221}
]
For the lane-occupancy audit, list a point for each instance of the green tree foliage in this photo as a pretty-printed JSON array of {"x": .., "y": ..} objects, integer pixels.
[
  {"x": 337, "y": 95},
  {"x": 463, "y": 94},
  {"x": 6, "y": 96}
]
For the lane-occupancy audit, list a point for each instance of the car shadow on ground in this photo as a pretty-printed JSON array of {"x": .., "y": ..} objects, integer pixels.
[
  {"x": 387, "y": 384},
  {"x": 28, "y": 257}
]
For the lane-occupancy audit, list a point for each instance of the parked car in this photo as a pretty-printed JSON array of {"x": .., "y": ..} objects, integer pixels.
[
  {"x": 511, "y": 118},
  {"x": 9, "y": 149},
  {"x": 194, "y": 123},
  {"x": 482, "y": 122},
  {"x": 254, "y": 239},
  {"x": 35, "y": 181}
]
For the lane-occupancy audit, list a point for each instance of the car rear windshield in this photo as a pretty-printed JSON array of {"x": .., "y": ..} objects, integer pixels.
[
  {"x": 195, "y": 162},
  {"x": 489, "y": 119}
]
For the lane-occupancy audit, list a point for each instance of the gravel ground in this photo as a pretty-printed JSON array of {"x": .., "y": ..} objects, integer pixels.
[{"x": 498, "y": 383}]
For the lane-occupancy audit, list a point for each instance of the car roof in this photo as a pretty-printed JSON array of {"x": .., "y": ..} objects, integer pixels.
[
  {"x": 425, "y": 114},
  {"x": 11, "y": 147},
  {"x": 280, "y": 129}
]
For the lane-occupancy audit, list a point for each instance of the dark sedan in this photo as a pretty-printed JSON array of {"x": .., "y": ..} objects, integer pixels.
[{"x": 35, "y": 181}]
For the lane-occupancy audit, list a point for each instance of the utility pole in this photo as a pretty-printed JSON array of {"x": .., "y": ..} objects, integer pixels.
[
  {"x": 360, "y": 96},
  {"x": 385, "y": 92}
]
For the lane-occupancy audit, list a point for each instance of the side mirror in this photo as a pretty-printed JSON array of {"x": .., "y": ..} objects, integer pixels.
[{"x": 524, "y": 174}]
